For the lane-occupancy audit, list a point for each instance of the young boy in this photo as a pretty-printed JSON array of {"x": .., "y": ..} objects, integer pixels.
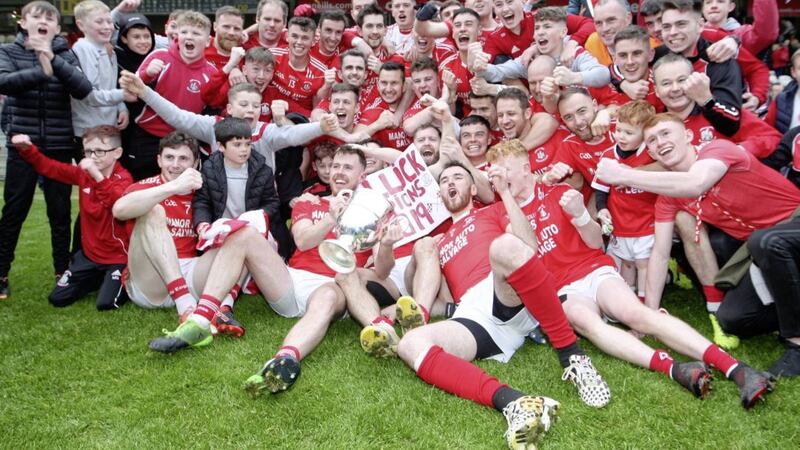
[
  {"x": 258, "y": 68},
  {"x": 781, "y": 113},
  {"x": 38, "y": 65},
  {"x": 245, "y": 182},
  {"x": 322, "y": 158},
  {"x": 104, "y": 106},
  {"x": 631, "y": 211},
  {"x": 179, "y": 73},
  {"x": 101, "y": 259}
]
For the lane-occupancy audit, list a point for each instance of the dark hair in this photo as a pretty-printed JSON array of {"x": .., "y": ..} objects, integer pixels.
[
  {"x": 427, "y": 125},
  {"x": 464, "y": 10},
  {"x": 550, "y": 14},
  {"x": 394, "y": 66},
  {"x": 44, "y": 7},
  {"x": 473, "y": 120},
  {"x": 683, "y": 6},
  {"x": 370, "y": 10},
  {"x": 650, "y": 7},
  {"x": 633, "y": 32},
  {"x": 228, "y": 10},
  {"x": 345, "y": 87},
  {"x": 474, "y": 96},
  {"x": 323, "y": 149},
  {"x": 177, "y": 139},
  {"x": 352, "y": 52},
  {"x": 305, "y": 23},
  {"x": 513, "y": 94},
  {"x": 231, "y": 128},
  {"x": 335, "y": 15},
  {"x": 347, "y": 149},
  {"x": 453, "y": 163},
  {"x": 424, "y": 63},
  {"x": 259, "y": 55}
]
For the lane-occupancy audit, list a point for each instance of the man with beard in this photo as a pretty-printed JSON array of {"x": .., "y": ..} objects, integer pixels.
[
  {"x": 489, "y": 263},
  {"x": 571, "y": 248},
  {"x": 271, "y": 18},
  {"x": 228, "y": 30},
  {"x": 379, "y": 121},
  {"x": 298, "y": 76},
  {"x": 308, "y": 290},
  {"x": 726, "y": 187},
  {"x": 514, "y": 119}
]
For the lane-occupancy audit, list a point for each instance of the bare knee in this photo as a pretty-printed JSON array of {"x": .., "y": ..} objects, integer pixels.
[
  {"x": 412, "y": 345},
  {"x": 425, "y": 247},
  {"x": 509, "y": 251},
  {"x": 326, "y": 303}
]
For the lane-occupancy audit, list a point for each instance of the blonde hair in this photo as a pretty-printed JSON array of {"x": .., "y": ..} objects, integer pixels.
[
  {"x": 83, "y": 9},
  {"x": 194, "y": 19},
  {"x": 636, "y": 113},
  {"x": 505, "y": 149}
]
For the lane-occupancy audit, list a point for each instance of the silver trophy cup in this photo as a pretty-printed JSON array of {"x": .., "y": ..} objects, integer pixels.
[{"x": 358, "y": 228}]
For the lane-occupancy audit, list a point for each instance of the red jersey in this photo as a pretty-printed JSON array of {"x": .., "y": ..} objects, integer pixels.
[
  {"x": 253, "y": 42},
  {"x": 332, "y": 61},
  {"x": 388, "y": 137},
  {"x": 582, "y": 156},
  {"x": 464, "y": 249},
  {"x": 214, "y": 57},
  {"x": 754, "y": 135},
  {"x": 309, "y": 260},
  {"x": 750, "y": 196},
  {"x": 297, "y": 87},
  {"x": 632, "y": 210},
  {"x": 541, "y": 157},
  {"x": 408, "y": 248},
  {"x": 103, "y": 237},
  {"x": 215, "y": 95},
  {"x": 503, "y": 41},
  {"x": 463, "y": 76},
  {"x": 560, "y": 246},
  {"x": 609, "y": 95},
  {"x": 178, "y": 209},
  {"x": 178, "y": 82}
]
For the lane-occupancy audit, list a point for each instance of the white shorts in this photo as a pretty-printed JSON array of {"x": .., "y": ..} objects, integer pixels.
[
  {"x": 631, "y": 248},
  {"x": 187, "y": 266},
  {"x": 588, "y": 285},
  {"x": 398, "y": 274},
  {"x": 304, "y": 283},
  {"x": 477, "y": 304}
]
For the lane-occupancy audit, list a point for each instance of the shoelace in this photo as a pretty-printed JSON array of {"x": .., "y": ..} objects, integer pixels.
[{"x": 581, "y": 371}]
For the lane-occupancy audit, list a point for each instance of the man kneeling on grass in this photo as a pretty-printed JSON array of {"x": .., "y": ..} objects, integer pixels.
[
  {"x": 101, "y": 259},
  {"x": 163, "y": 266}
]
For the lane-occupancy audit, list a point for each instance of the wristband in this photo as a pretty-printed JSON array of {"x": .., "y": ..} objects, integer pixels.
[{"x": 583, "y": 219}]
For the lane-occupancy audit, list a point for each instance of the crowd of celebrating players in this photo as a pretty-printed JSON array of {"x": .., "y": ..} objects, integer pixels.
[{"x": 585, "y": 155}]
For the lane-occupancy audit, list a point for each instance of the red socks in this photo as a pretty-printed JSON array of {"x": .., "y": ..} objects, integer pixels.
[
  {"x": 458, "y": 377},
  {"x": 535, "y": 287},
  {"x": 177, "y": 288},
  {"x": 208, "y": 306},
  {"x": 661, "y": 362},
  {"x": 288, "y": 350},
  {"x": 723, "y": 362},
  {"x": 713, "y": 297},
  {"x": 426, "y": 316}
]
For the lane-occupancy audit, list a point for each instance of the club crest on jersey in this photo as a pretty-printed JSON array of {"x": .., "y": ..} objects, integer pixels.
[
  {"x": 264, "y": 109},
  {"x": 307, "y": 86},
  {"x": 706, "y": 134},
  {"x": 543, "y": 214},
  {"x": 193, "y": 86},
  {"x": 541, "y": 156}
]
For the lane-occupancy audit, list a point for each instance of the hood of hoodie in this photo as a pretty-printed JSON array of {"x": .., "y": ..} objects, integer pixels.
[{"x": 127, "y": 58}]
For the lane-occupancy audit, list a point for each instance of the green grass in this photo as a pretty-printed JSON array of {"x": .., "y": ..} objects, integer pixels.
[{"x": 75, "y": 377}]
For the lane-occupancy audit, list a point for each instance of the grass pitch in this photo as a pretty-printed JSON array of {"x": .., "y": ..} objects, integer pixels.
[{"x": 78, "y": 378}]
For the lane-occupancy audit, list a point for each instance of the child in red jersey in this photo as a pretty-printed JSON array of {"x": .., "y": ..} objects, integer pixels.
[
  {"x": 631, "y": 211},
  {"x": 102, "y": 181}
]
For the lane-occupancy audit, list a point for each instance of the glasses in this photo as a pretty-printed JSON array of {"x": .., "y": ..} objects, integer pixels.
[{"x": 100, "y": 153}]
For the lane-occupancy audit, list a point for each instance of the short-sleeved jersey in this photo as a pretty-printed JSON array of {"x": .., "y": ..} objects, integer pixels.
[
  {"x": 541, "y": 157},
  {"x": 454, "y": 64},
  {"x": 332, "y": 61},
  {"x": 388, "y": 137},
  {"x": 632, "y": 210},
  {"x": 754, "y": 135},
  {"x": 559, "y": 244},
  {"x": 178, "y": 209},
  {"x": 309, "y": 260},
  {"x": 402, "y": 42},
  {"x": 750, "y": 196},
  {"x": 609, "y": 95},
  {"x": 503, "y": 41},
  {"x": 297, "y": 87},
  {"x": 464, "y": 248},
  {"x": 582, "y": 156},
  {"x": 253, "y": 42}
]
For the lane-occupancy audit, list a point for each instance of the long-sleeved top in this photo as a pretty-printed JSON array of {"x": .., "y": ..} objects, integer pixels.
[
  {"x": 102, "y": 236},
  {"x": 764, "y": 30},
  {"x": 267, "y": 138},
  {"x": 594, "y": 73},
  {"x": 38, "y": 105},
  {"x": 105, "y": 102}
]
